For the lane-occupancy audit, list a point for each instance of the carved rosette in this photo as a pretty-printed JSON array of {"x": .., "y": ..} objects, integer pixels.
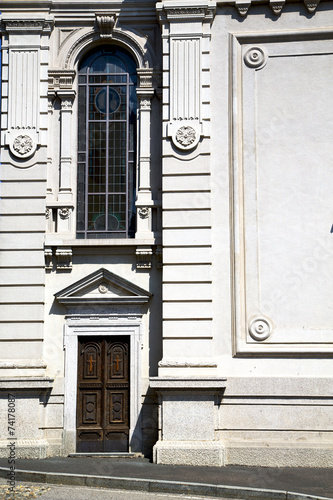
[
  {"x": 103, "y": 288},
  {"x": 255, "y": 57},
  {"x": 260, "y": 328},
  {"x": 64, "y": 213},
  {"x": 23, "y": 146},
  {"x": 144, "y": 212},
  {"x": 185, "y": 134}
]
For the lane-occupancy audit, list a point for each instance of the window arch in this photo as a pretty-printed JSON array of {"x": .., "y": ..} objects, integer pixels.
[{"x": 107, "y": 110}]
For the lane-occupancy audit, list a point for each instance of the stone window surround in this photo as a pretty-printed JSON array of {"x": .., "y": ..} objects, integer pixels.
[
  {"x": 62, "y": 84},
  {"x": 68, "y": 97}
]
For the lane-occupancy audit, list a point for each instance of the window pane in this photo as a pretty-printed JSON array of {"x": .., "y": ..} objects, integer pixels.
[
  {"x": 117, "y": 157},
  {"x": 97, "y": 102},
  {"x": 81, "y": 196},
  {"x": 117, "y": 212},
  {"x": 96, "y": 212},
  {"x": 108, "y": 64},
  {"x": 118, "y": 95},
  {"x": 82, "y": 118},
  {"x": 112, "y": 79},
  {"x": 97, "y": 157}
]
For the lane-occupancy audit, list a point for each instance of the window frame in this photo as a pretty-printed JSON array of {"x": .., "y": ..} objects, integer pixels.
[{"x": 84, "y": 194}]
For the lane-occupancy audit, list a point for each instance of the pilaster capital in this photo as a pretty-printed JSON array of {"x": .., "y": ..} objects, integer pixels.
[
  {"x": 67, "y": 97},
  {"x": 145, "y": 96}
]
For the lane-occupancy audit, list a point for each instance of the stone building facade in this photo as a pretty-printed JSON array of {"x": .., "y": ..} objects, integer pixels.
[{"x": 166, "y": 247}]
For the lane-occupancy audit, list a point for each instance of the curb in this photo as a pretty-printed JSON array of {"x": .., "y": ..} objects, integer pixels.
[{"x": 158, "y": 486}]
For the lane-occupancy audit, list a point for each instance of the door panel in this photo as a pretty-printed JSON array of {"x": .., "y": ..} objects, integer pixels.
[{"x": 103, "y": 394}]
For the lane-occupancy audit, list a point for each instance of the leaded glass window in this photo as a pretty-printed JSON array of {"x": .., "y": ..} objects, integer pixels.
[{"x": 106, "y": 145}]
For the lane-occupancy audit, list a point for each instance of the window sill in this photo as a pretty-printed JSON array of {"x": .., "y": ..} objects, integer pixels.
[{"x": 61, "y": 240}]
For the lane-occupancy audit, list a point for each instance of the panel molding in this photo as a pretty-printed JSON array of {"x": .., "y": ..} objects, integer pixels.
[{"x": 254, "y": 331}]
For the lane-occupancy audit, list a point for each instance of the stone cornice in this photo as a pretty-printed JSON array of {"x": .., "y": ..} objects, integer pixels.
[
  {"x": 11, "y": 25},
  {"x": 277, "y": 6},
  {"x": 185, "y": 11},
  {"x": 60, "y": 78}
]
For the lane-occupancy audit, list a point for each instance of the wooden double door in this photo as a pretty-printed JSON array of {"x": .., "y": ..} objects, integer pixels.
[{"x": 103, "y": 394}]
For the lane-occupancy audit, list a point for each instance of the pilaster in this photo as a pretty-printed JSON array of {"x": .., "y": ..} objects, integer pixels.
[
  {"x": 186, "y": 189},
  {"x": 186, "y": 36},
  {"x": 24, "y": 129},
  {"x": 144, "y": 201},
  {"x": 24, "y": 119},
  {"x": 60, "y": 203},
  {"x": 193, "y": 403},
  {"x": 65, "y": 191}
]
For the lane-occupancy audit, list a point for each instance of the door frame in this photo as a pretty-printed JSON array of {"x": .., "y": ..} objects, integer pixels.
[{"x": 102, "y": 325}]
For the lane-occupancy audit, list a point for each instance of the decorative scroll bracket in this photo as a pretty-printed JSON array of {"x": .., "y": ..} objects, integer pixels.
[
  {"x": 311, "y": 5},
  {"x": 277, "y": 6},
  {"x": 106, "y": 23},
  {"x": 144, "y": 257}
]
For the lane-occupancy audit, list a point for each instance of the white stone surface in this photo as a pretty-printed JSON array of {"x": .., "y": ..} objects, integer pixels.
[
  {"x": 244, "y": 211},
  {"x": 187, "y": 273},
  {"x": 197, "y": 255},
  {"x": 189, "y": 328},
  {"x": 189, "y": 453},
  {"x": 188, "y": 218},
  {"x": 186, "y": 291},
  {"x": 187, "y": 310},
  {"x": 188, "y": 414}
]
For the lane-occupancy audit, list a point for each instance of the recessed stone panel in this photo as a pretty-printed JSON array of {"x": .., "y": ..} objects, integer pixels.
[{"x": 282, "y": 189}]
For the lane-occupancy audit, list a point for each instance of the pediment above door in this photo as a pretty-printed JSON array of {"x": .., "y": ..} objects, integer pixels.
[{"x": 103, "y": 287}]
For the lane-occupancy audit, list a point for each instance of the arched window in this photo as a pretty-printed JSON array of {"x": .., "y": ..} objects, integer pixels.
[{"x": 106, "y": 144}]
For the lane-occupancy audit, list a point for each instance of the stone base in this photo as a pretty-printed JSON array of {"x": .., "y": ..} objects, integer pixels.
[
  {"x": 26, "y": 448},
  {"x": 283, "y": 455},
  {"x": 209, "y": 453}
]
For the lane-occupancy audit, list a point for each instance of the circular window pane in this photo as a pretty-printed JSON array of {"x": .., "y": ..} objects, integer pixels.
[{"x": 114, "y": 100}]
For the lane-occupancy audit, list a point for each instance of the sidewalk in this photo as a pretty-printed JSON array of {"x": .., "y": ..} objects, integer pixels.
[{"x": 139, "y": 474}]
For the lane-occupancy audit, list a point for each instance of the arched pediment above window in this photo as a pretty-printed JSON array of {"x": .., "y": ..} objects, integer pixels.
[{"x": 133, "y": 41}]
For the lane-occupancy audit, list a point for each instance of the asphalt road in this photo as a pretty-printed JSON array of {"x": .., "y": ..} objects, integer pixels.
[{"x": 307, "y": 480}]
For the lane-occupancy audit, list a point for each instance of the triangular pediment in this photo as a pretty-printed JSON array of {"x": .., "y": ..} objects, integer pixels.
[{"x": 103, "y": 287}]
